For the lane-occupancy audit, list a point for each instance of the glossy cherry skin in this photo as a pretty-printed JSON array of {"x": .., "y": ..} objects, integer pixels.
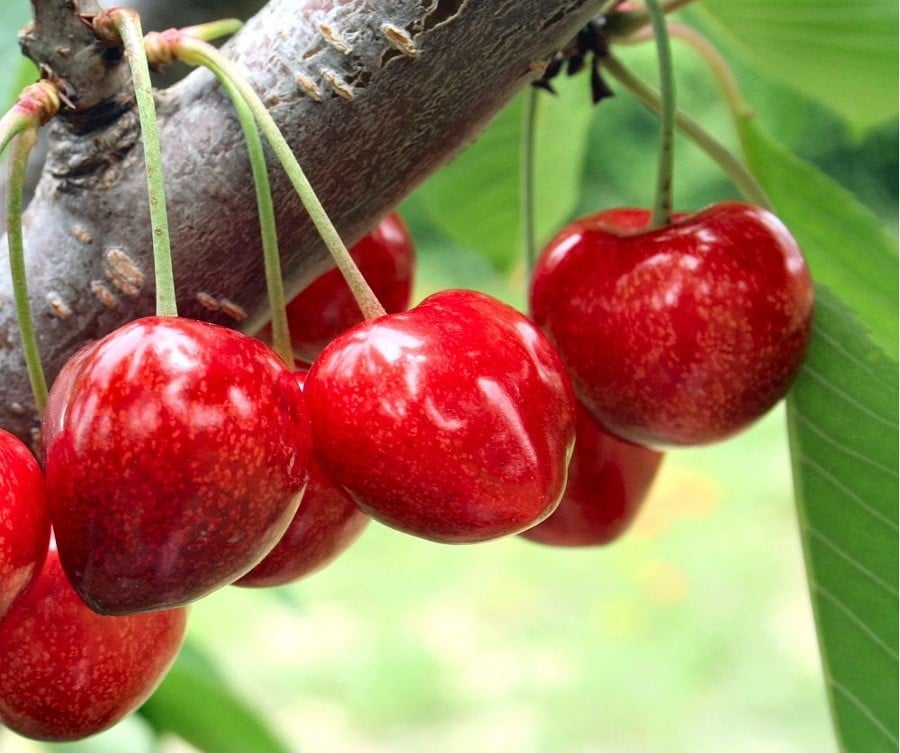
[
  {"x": 608, "y": 480},
  {"x": 24, "y": 519},
  {"x": 177, "y": 463},
  {"x": 321, "y": 311},
  {"x": 678, "y": 336},
  {"x": 67, "y": 672},
  {"x": 327, "y": 522},
  {"x": 453, "y": 421}
]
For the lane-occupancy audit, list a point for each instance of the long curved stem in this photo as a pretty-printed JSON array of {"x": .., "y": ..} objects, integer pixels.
[
  {"x": 662, "y": 205},
  {"x": 127, "y": 24},
  {"x": 281, "y": 338},
  {"x": 197, "y": 52},
  {"x": 736, "y": 171},
  {"x": 526, "y": 191},
  {"x": 22, "y": 144}
]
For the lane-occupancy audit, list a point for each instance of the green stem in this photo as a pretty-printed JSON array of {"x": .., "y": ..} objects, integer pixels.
[
  {"x": 197, "y": 52},
  {"x": 281, "y": 338},
  {"x": 224, "y": 27},
  {"x": 22, "y": 144},
  {"x": 628, "y": 22},
  {"x": 719, "y": 67},
  {"x": 34, "y": 106},
  {"x": 662, "y": 205},
  {"x": 526, "y": 191},
  {"x": 736, "y": 171},
  {"x": 128, "y": 24}
]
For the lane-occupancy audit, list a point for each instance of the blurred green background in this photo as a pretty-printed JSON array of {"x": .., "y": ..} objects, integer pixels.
[{"x": 692, "y": 634}]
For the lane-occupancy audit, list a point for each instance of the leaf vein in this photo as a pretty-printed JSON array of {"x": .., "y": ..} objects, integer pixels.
[
  {"x": 862, "y": 503},
  {"x": 859, "y": 622}
]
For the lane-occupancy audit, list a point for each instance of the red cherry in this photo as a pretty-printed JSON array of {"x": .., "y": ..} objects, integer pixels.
[
  {"x": 608, "y": 480},
  {"x": 327, "y": 522},
  {"x": 58, "y": 399},
  {"x": 24, "y": 520},
  {"x": 179, "y": 463},
  {"x": 67, "y": 672},
  {"x": 326, "y": 307},
  {"x": 453, "y": 421},
  {"x": 682, "y": 335}
]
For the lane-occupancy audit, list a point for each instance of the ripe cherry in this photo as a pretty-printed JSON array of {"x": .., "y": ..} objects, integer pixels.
[
  {"x": 608, "y": 480},
  {"x": 176, "y": 463},
  {"x": 326, "y": 307},
  {"x": 24, "y": 520},
  {"x": 327, "y": 522},
  {"x": 67, "y": 672},
  {"x": 682, "y": 335},
  {"x": 453, "y": 421}
]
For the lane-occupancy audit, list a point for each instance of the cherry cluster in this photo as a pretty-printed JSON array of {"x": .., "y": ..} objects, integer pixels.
[{"x": 176, "y": 452}]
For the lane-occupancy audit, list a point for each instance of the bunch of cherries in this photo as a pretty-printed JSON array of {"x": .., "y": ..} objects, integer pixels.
[{"x": 176, "y": 453}]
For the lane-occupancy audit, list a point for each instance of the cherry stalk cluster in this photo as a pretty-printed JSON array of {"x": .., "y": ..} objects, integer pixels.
[{"x": 178, "y": 457}]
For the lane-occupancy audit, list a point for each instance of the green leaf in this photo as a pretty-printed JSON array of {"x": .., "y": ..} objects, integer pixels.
[
  {"x": 847, "y": 247},
  {"x": 195, "y": 703},
  {"x": 15, "y": 70},
  {"x": 844, "y": 54},
  {"x": 475, "y": 199},
  {"x": 842, "y": 421}
]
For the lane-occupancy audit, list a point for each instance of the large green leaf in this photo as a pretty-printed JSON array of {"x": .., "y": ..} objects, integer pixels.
[
  {"x": 847, "y": 248},
  {"x": 195, "y": 703},
  {"x": 842, "y": 418},
  {"x": 475, "y": 199},
  {"x": 840, "y": 52}
]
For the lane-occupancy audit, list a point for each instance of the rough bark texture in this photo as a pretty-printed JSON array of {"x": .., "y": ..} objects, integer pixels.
[{"x": 403, "y": 85}]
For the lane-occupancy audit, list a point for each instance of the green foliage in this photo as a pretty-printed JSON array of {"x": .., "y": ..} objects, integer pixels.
[
  {"x": 15, "y": 70},
  {"x": 475, "y": 199},
  {"x": 842, "y": 416},
  {"x": 841, "y": 53},
  {"x": 195, "y": 703},
  {"x": 846, "y": 246}
]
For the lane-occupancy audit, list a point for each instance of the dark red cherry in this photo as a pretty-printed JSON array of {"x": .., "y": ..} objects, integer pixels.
[
  {"x": 178, "y": 463},
  {"x": 327, "y": 522},
  {"x": 326, "y": 307},
  {"x": 453, "y": 421},
  {"x": 682, "y": 335},
  {"x": 608, "y": 480},
  {"x": 67, "y": 672},
  {"x": 24, "y": 520}
]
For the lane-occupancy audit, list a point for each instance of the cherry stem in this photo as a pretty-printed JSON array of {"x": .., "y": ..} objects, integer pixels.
[
  {"x": 736, "y": 170},
  {"x": 198, "y": 52},
  {"x": 22, "y": 144},
  {"x": 34, "y": 106},
  {"x": 662, "y": 205},
  {"x": 224, "y": 27},
  {"x": 719, "y": 67},
  {"x": 526, "y": 191},
  {"x": 123, "y": 25},
  {"x": 624, "y": 23},
  {"x": 281, "y": 338}
]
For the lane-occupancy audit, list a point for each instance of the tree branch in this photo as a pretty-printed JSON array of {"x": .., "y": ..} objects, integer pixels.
[{"x": 373, "y": 97}]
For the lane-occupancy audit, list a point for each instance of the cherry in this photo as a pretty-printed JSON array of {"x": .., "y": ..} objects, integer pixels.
[
  {"x": 24, "y": 520},
  {"x": 325, "y": 525},
  {"x": 608, "y": 480},
  {"x": 67, "y": 672},
  {"x": 453, "y": 421},
  {"x": 326, "y": 307},
  {"x": 682, "y": 335},
  {"x": 176, "y": 464}
]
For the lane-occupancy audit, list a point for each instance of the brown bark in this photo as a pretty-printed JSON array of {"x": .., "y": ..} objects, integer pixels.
[{"x": 404, "y": 85}]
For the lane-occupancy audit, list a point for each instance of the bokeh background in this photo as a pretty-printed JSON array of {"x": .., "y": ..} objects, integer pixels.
[{"x": 691, "y": 634}]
